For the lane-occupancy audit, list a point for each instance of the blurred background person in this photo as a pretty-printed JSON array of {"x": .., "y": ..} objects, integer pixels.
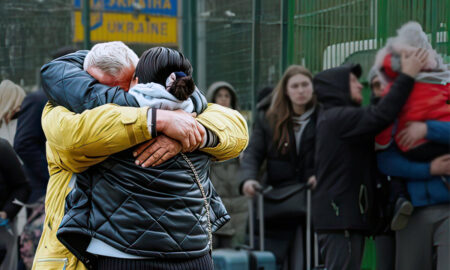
[
  {"x": 383, "y": 235},
  {"x": 13, "y": 185},
  {"x": 285, "y": 137},
  {"x": 264, "y": 98},
  {"x": 416, "y": 149},
  {"x": 11, "y": 97},
  {"x": 343, "y": 201},
  {"x": 225, "y": 179}
]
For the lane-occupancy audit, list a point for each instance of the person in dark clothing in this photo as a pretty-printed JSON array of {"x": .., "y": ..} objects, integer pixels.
[
  {"x": 384, "y": 237},
  {"x": 284, "y": 136},
  {"x": 29, "y": 143},
  {"x": 342, "y": 203},
  {"x": 13, "y": 185},
  {"x": 264, "y": 98},
  {"x": 29, "y": 140},
  {"x": 224, "y": 178}
]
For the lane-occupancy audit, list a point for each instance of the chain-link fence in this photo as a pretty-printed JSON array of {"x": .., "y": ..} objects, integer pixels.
[
  {"x": 29, "y": 32},
  {"x": 249, "y": 42},
  {"x": 238, "y": 42}
]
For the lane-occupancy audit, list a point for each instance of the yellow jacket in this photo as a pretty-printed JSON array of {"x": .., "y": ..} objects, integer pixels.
[{"x": 77, "y": 141}]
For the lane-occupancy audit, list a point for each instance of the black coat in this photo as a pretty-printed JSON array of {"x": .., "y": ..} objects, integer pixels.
[
  {"x": 155, "y": 212},
  {"x": 282, "y": 169},
  {"x": 29, "y": 143},
  {"x": 13, "y": 183},
  {"x": 343, "y": 198}
]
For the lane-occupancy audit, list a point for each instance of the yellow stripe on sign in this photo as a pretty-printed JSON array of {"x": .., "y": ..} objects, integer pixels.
[{"x": 128, "y": 28}]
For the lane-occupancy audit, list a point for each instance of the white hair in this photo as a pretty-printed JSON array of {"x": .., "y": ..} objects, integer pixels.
[{"x": 111, "y": 57}]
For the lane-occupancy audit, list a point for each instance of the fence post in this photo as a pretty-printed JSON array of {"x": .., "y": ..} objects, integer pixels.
[
  {"x": 87, "y": 24},
  {"x": 190, "y": 32},
  {"x": 256, "y": 38},
  {"x": 287, "y": 34}
]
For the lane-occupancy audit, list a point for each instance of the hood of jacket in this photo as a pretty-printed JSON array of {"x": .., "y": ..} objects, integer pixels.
[
  {"x": 332, "y": 86},
  {"x": 213, "y": 88}
]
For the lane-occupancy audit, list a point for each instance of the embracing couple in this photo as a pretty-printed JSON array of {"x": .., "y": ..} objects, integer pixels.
[{"x": 111, "y": 204}]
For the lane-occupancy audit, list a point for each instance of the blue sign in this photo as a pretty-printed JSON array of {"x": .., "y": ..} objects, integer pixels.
[{"x": 157, "y": 7}]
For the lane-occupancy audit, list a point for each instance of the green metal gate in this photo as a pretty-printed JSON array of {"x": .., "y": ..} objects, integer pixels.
[
  {"x": 327, "y": 32},
  {"x": 250, "y": 42}
]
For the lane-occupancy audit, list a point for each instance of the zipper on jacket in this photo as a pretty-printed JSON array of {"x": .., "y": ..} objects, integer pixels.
[
  {"x": 65, "y": 260},
  {"x": 335, "y": 207}
]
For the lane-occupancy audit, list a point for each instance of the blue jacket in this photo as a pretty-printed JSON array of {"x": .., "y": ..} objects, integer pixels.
[{"x": 424, "y": 189}]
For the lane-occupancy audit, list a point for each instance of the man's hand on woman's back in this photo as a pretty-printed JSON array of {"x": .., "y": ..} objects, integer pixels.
[{"x": 156, "y": 151}]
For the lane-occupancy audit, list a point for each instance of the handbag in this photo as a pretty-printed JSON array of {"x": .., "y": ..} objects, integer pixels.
[{"x": 287, "y": 201}]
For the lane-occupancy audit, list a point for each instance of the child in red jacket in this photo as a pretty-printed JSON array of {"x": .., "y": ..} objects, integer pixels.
[{"x": 429, "y": 100}]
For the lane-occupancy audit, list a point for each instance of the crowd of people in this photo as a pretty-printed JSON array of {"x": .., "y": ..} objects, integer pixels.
[{"x": 121, "y": 162}]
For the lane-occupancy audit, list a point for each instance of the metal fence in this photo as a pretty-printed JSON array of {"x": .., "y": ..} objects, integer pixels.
[
  {"x": 249, "y": 42},
  {"x": 29, "y": 32},
  {"x": 239, "y": 42},
  {"x": 329, "y": 32}
]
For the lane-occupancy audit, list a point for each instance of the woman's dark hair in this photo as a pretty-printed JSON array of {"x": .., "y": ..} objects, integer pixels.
[{"x": 156, "y": 64}]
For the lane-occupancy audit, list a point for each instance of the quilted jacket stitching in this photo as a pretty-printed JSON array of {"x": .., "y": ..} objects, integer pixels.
[
  {"x": 130, "y": 195},
  {"x": 170, "y": 207}
]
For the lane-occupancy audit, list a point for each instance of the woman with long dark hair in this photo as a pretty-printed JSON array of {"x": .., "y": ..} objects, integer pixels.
[{"x": 284, "y": 137}]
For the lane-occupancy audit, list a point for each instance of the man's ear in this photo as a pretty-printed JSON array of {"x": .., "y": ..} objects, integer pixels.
[{"x": 134, "y": 82}]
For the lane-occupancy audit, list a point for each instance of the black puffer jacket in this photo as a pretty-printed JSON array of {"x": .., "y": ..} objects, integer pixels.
[
  {"x": 282, "y": 169},
  {"x": 152, "y": 212},
  {"x": 343, "y": 198}
]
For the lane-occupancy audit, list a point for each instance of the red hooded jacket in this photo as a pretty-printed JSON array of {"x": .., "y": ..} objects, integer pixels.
[{"x": 427, "y": 101}]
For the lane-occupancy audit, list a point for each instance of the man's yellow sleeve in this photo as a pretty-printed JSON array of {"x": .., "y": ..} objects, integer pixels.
[
  {"x": 231, "y": 129},
  {"x": 77, "y": 141}
]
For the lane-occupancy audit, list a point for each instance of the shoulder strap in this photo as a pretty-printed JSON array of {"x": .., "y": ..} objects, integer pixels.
[{"x": 197, "y": 179}]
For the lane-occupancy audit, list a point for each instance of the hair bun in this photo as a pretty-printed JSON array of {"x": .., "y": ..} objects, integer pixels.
[{"x": 182, "y": 88}]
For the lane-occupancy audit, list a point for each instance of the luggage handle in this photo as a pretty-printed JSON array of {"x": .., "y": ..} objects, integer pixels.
[
  {"x": 260, "y": 202},
  {"x": 308, "y": 235}
]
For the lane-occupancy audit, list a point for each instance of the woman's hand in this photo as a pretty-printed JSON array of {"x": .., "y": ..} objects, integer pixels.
[
  {"x": 250, "y": 188},
  {"x": 312, "y": 182},
  {"x": 413, "y": 132}
]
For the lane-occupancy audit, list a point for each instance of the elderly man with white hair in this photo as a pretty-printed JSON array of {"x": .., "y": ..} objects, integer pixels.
[{"x": 86, "y": 130}]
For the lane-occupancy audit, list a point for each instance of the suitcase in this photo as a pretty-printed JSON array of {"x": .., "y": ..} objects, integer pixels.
[
  {"x": 308, "y": 238},
  {"x": 259, "y": 259},
  {"x": 230, "y": 259},
  {"x": 227, "y": 259}
]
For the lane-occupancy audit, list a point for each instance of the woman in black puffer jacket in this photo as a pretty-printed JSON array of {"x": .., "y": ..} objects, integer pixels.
[
  {"x": 284, "y": 136},
  {"x": 123, "y": 216}
]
